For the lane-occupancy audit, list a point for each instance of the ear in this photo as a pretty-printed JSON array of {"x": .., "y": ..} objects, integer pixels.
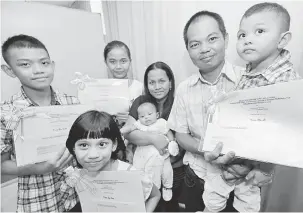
[
  {"x": 226, "y": 40},
  {"x": 115, "y": 145},
  {"x": 8, "y": 70},
  {"x": 158, "y": 115},
  {"x": 284, "y": 39}
]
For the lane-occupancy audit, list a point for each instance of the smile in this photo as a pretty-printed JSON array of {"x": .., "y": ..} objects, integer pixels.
[
  {"x": 248, "y": 51},
  {"x": 206, "y": 58},
  {"x": 40, "y": 79}
]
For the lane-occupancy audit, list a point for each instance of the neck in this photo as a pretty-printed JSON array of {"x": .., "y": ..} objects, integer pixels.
[
  {"x": 262, "y": 65},
  {"x": 211, "y": 76},
  {"x": 40, "y": 97}
]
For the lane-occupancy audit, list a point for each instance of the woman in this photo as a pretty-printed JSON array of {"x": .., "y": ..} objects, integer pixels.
[
  {"x": 117, "y": 58},
  {"x": 159, "y": 86}
]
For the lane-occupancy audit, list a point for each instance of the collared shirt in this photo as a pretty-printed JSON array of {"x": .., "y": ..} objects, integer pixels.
[
  {"x": 281, "y": 70},
  {"x": 190, "y": 109},
  {"x": 37, "y": 193}
]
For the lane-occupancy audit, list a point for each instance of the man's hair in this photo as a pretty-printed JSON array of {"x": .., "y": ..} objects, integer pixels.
[
  {"x": 21, "y": 41},
  {"x": 200, "y": 14},
  {"x": 272, "y": 7}
]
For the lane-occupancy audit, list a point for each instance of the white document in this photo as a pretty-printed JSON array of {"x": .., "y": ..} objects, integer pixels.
[
  {"x": 116, "y": 191},
  {"x": 40, "y": 137},
  {"x": 109, "y": 95},
  {"x": 263, "y": 124}
]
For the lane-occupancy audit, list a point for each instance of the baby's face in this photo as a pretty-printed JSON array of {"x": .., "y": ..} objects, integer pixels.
[
  {"x": 147, "y": 114},
  {"x": 258, "y": 37}
]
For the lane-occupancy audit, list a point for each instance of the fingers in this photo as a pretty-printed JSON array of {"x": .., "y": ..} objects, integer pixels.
[
  {"x": 224, "y": 159},
  {"x": 210, "y": 156},
  {"x": 70, "y": 157}
]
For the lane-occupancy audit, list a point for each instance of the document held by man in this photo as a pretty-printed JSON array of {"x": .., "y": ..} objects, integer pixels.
[
  {"x": 263, "y": 124},
  {"x": 41, "y": 136},
  {"x": 112, "y": 191},
  {"x": 109, "y": 95}
]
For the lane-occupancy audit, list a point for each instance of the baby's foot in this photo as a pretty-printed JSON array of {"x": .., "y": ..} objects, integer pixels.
[{"x": 167, "y": 194}]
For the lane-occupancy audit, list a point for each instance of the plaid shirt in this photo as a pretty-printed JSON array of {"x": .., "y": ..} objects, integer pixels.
[
  {"x": 37, "y": 193},
  {"x": 190, "y": 108},
  {"x": 281, "y": 70}
]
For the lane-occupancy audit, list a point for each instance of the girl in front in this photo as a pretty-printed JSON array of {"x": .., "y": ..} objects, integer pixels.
[{"x": 94, "y": 140}]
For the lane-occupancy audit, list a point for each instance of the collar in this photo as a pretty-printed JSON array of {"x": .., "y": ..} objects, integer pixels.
[
  {"x": 280, "y": 64},
  {"x": 226, "y": 71},
  {"x": 30, "y": 102}
]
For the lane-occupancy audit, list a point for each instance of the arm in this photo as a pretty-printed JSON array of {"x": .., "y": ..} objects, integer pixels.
[
  {"x": 187, "y": 142},
  {"x": 141, "y": 138},
  {"x": 9, "y": 167},
  {"x": 152, "y": 201}
]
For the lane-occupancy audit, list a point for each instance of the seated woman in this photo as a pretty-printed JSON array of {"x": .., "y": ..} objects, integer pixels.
[
  {"x": 159, "y": 86},
  {"x": 94, "y": 140}
]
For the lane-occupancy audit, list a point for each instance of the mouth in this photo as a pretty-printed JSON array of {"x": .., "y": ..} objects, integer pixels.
[
  {"x": 248, "y": 51},
  {"x": 93, "y": 163},
  {"x": 206, "y": 58},
  {"x": 40, "y": 79}
]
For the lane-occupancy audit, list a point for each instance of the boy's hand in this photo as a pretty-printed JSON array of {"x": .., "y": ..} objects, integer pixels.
[{"x": 58, "y": 162}]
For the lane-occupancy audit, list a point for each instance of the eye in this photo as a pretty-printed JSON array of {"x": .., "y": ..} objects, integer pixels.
[
  {"x": 259, "y": 31},
  {"x": 124, "y": 61},
  {"x": 151, "y": 82},
  {"x": 45, "y": 63},
  {"x": 24, "y": 64},
  {"x": 241, "y": 35},
  {"x": 83, "y": 145},
  {"x": 103, "y": 144},
  {"x": 112, "y": 62},
  {"x": 194, "y": 45},
  {"x": 212, "y": 39}
]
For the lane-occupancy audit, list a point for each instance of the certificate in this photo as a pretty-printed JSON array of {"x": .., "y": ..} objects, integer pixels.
[
  {"x": 41, "y": 137},
  {"x": 109, "y": 95},
  {"x": 263, "y": 124},
  {"x": 113, "y": 191}
]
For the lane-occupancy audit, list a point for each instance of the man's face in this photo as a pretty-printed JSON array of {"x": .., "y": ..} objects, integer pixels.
[
  {"x": 206, "y": 44},
  {"x": 32, "y": 66},
  {"x": 259, "y": 37}
]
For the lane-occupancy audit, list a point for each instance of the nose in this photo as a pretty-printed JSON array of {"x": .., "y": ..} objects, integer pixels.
[
  {"x": 118, "y": 65},
  {"x": 93, "y": 153},
  {"x": 247, "y": 40},
  {"x": 204, "y": 47},
  {"x": 37, "y": 69},
  {"x": 157, "y": 85}
]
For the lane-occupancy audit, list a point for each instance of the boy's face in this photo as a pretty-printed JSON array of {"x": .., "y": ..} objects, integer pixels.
[
  {"x": 32, "y": 66},
  {"x": 206, "y": 44},
  {"x": 147, "y": 114},
  {"x": 259, "y": 37},
  {"x": 94, "y": 154}
]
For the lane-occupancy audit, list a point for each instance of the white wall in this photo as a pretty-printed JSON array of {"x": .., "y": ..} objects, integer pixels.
[{"x": 74, "y": 39}]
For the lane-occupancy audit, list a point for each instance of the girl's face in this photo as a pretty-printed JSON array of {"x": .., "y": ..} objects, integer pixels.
[
  {"x": 94, "y": 154},
  {"x": 158, "y": 84},
  {"x": 118, "y": 62}
]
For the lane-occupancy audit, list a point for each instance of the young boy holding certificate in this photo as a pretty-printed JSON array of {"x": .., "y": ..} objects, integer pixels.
[
  {"x": 263, "y": 34},
  {"x": 38, "y": 184}
]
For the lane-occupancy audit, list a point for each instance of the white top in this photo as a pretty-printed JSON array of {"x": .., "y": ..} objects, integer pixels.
[
  {"x": 135, "y": 90},
  {"x": 159, "y": 126}
]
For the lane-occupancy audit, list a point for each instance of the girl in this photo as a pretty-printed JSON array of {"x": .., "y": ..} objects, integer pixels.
[{"x": 94, "y": 140}]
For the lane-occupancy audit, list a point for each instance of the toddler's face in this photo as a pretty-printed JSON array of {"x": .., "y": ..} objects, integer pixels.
[
  {"x": 258, "y": 37},
  {"x": 118, "y": 62},
  {"x": 147, "y": 114},
  {"x": 32, "y": 66},
  {"x": 94, "y": 154}
]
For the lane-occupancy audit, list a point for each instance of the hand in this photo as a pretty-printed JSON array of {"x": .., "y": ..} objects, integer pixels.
[
  {"x": 258, "y": 178},
  {"x": 58, "y": 162},
  {"x": 122, "y": 117},
  {"x": 214, "y": 156},
  {"x": 81, "y": 80},
  {"x": 160, "y": 142}
]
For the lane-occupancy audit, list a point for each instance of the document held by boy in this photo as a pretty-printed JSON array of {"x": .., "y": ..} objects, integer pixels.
[
  {"x": 40, "y": 136},
  {"x": 263, "y": 124}
]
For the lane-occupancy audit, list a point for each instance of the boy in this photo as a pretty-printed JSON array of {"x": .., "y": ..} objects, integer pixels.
[
  {"x": 263, "y": 34},
  {"x": 38, "y": 184},
  {"x": 148, "y": 158}
]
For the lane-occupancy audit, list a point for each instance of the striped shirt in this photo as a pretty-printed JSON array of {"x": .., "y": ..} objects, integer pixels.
[
  {"x": 37, "y": 193},
  {"x": 190, "y": 109}
]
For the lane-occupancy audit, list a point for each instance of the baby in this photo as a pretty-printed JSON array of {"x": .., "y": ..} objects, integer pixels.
[{"x": 148, "y": 158}]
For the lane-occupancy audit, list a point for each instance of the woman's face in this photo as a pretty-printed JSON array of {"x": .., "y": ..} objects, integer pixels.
[
  {"x": 118, "y": 62},
  {"x": 94, "y": 154},
  {"x": 158, "y": 84}
]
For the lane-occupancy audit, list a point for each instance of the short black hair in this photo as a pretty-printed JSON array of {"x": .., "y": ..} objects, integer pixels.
[
  {"x": 21, "y": 41},
  {"x": 273, "y": 7},
  {"x": 200, "y": 14},
  {"x": 95, "y": 124}
]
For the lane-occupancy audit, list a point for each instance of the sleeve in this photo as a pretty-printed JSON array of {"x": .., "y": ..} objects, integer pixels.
[
  {"x": 289, "y": 75},
  {"x": 6, "y": 134},
  {"x": 177, "y": 120}
]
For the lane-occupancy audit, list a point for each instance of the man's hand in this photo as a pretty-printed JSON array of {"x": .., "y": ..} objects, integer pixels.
[
  {"x": 258, "y": 178},
  {"x": 58, "y": 162}
]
